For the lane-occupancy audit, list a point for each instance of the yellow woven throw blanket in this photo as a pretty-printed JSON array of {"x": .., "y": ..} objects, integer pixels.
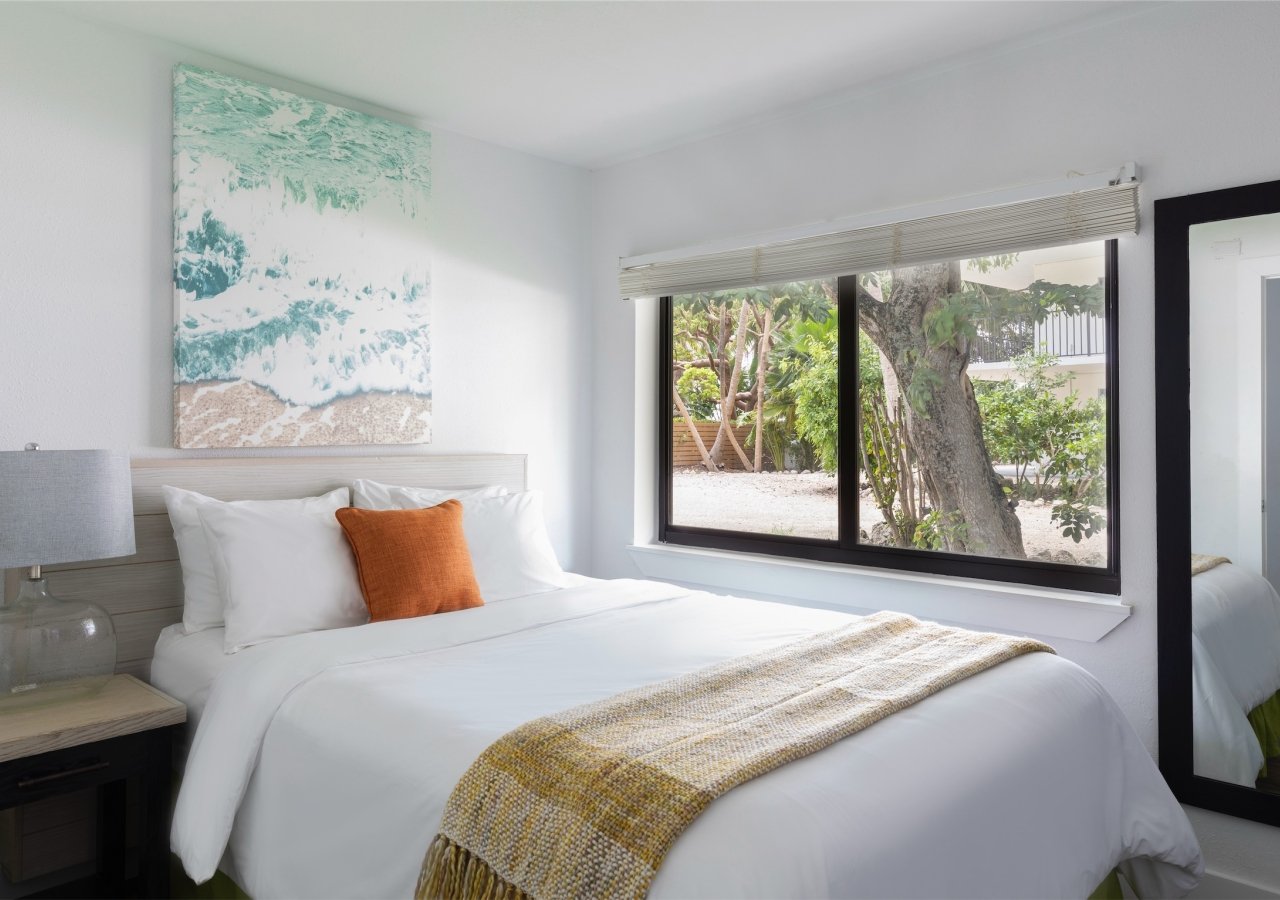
[
  {"x": 586, "y": 803},
  {"x": 1201, "y": 562}
]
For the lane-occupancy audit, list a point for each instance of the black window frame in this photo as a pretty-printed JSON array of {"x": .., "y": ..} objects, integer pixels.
[{"x": 845, "y": 549}]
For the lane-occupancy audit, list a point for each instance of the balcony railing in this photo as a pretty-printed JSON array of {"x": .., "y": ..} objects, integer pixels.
[{"x": 1060, "y": 334}]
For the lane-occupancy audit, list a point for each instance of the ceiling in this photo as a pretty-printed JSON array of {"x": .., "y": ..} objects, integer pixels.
[{"x": 591, "y": 83}]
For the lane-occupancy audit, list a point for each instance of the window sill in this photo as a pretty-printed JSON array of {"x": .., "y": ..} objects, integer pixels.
[{"x": 984, "y": 604}]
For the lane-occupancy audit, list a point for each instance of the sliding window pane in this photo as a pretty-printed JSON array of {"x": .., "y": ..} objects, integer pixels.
[
  {"x": 754, "y": 410},
  {"x": 983, "y": 406}
]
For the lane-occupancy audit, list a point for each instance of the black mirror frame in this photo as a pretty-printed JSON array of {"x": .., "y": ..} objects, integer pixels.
[{"x": 1174, "y": 217}]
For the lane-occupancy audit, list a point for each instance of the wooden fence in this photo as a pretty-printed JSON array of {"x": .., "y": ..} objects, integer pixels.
[{"x": 684, "y": 452}]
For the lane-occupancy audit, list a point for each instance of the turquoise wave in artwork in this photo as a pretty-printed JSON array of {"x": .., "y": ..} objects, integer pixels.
[
  {"x": 320, "y": 154},
  {"x": 210, "y": 259},
  {"x": 217, "y": 355},
  {"x": 302, "y": 250},
  {"x": 336, "y": 362}
]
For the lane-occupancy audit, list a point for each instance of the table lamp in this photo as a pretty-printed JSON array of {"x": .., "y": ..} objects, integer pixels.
[{"x": 58, "y": 506}]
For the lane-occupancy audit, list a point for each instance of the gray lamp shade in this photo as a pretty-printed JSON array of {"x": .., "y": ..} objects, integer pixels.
[{"x": 61, "y": 506}]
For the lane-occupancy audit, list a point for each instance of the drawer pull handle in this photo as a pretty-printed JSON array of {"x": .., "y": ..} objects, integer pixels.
[{"x": 32, "y": 781}]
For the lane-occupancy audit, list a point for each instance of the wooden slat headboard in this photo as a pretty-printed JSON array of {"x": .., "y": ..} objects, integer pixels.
[{"x": 143, "y": 592}]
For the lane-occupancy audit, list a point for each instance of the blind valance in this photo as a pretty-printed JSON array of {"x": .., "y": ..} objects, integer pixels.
[{"x": 1072, "y": 217}]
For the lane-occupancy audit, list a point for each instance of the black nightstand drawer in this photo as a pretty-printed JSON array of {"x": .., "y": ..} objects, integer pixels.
[{"x": 61, "y": 771}]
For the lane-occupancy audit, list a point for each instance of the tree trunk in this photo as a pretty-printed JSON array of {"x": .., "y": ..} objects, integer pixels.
[
  {"x": 729, "y": 393},
  {"x": 942, "y": 419},
  {"x": 721, "y": 342},
  {"x": 891, "y": 391},
  {"x": 762, "y": 369}
]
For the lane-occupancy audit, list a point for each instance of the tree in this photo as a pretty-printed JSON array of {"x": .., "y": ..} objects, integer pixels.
[
  {"x": 816, "y": 389},
  {"x": 693, "y": 432},
  {"x": 762, "y": 371},
  {"x": 783, "y": 426},
  {"x": 808, "y": 377},
  {"x": 1026, "y": 423},
  {"x": 729, "y": 393},
  {"x": 923, "y": 320},
  {"x": 697, "y": 385},
  {"x": 731, "y": 334},
  {"x": 887, "y": 457}
]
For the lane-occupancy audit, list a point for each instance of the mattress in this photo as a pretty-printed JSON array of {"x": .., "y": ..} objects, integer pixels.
[{"x": 323, "y": 761}]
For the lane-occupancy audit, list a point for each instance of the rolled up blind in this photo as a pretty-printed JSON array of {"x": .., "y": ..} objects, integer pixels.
[{"x": 1070, "y": 218}]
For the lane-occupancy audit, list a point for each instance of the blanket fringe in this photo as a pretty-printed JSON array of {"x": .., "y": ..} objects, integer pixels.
[{"x": 451, "y": 872}]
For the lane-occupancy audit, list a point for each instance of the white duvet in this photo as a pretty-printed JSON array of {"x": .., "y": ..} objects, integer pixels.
[
  {"x": 1235, "y": 665},
  {"x": 322, "y": 762}
]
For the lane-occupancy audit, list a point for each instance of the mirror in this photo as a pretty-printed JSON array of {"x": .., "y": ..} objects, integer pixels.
[{"x": 1218, "y": 478}]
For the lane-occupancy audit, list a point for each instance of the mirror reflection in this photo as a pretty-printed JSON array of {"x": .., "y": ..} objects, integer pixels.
[{"x": 1235, "y": 499}]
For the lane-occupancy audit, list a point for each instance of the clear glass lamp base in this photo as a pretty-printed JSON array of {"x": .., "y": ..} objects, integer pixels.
[{"x": 52, "y": 650}]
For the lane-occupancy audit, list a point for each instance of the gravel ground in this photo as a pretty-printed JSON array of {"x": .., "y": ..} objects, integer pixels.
[{"x": 805, "y": 506}]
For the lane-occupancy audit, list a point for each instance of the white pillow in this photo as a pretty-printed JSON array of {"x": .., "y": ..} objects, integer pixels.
[
  {"x": 510, "y": 551},
  {"x": 202, "y": 604},
  {"x": 366, "y": 494},
  {"x": 506, "y": 534},
  {"x": 281, "y": 572}
]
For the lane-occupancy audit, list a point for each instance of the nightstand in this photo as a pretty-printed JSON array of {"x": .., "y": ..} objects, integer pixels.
[{"x": 123, "y": 731}]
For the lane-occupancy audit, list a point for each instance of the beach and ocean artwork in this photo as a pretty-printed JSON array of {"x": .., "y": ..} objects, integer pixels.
[{"x": 302, "y": 270}]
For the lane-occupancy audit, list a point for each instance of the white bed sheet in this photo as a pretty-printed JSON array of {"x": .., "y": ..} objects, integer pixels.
[
  {"x": 333, "y": 754},
  {"x": 1235, "y": 657},
  {"x": 185, "y": 665}
]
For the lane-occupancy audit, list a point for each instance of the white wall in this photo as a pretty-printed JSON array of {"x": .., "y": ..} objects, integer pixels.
[
  {"x": 1183, "y": 89},
  {"x": 85, "y": 250}
]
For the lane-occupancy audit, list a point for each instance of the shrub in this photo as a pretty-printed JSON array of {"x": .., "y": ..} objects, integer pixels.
[{"x": 700, "y": 391}]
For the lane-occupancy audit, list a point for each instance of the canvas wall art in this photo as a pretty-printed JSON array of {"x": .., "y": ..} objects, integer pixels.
[{"x": 302, "y": 271}]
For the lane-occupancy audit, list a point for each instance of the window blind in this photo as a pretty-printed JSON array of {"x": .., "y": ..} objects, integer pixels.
[{"x": 1089, "y": 214}]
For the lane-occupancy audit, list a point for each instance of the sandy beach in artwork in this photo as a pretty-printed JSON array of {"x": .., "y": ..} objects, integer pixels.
[{"x": 212, "y": 414}]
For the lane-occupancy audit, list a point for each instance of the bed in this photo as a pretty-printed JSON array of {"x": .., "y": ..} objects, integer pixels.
[
  {"x": 319, "y": 764},
  {"x": 1235, "y": 641}
]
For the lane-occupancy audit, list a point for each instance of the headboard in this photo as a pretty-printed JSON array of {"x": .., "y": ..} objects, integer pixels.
[{"x": 143, "y": 592}]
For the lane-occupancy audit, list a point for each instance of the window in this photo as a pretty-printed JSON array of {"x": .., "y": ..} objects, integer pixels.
[{"x": 954, "y": 417}]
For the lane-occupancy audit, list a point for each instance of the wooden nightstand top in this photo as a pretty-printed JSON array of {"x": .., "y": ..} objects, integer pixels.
[{"x": 125, "y": 705}]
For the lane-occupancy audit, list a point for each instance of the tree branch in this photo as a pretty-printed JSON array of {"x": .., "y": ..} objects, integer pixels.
[{"x": 873, "y": 314}]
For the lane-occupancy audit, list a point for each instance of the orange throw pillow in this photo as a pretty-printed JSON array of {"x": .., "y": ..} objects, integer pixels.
[{"x": 412, "y": 562}]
